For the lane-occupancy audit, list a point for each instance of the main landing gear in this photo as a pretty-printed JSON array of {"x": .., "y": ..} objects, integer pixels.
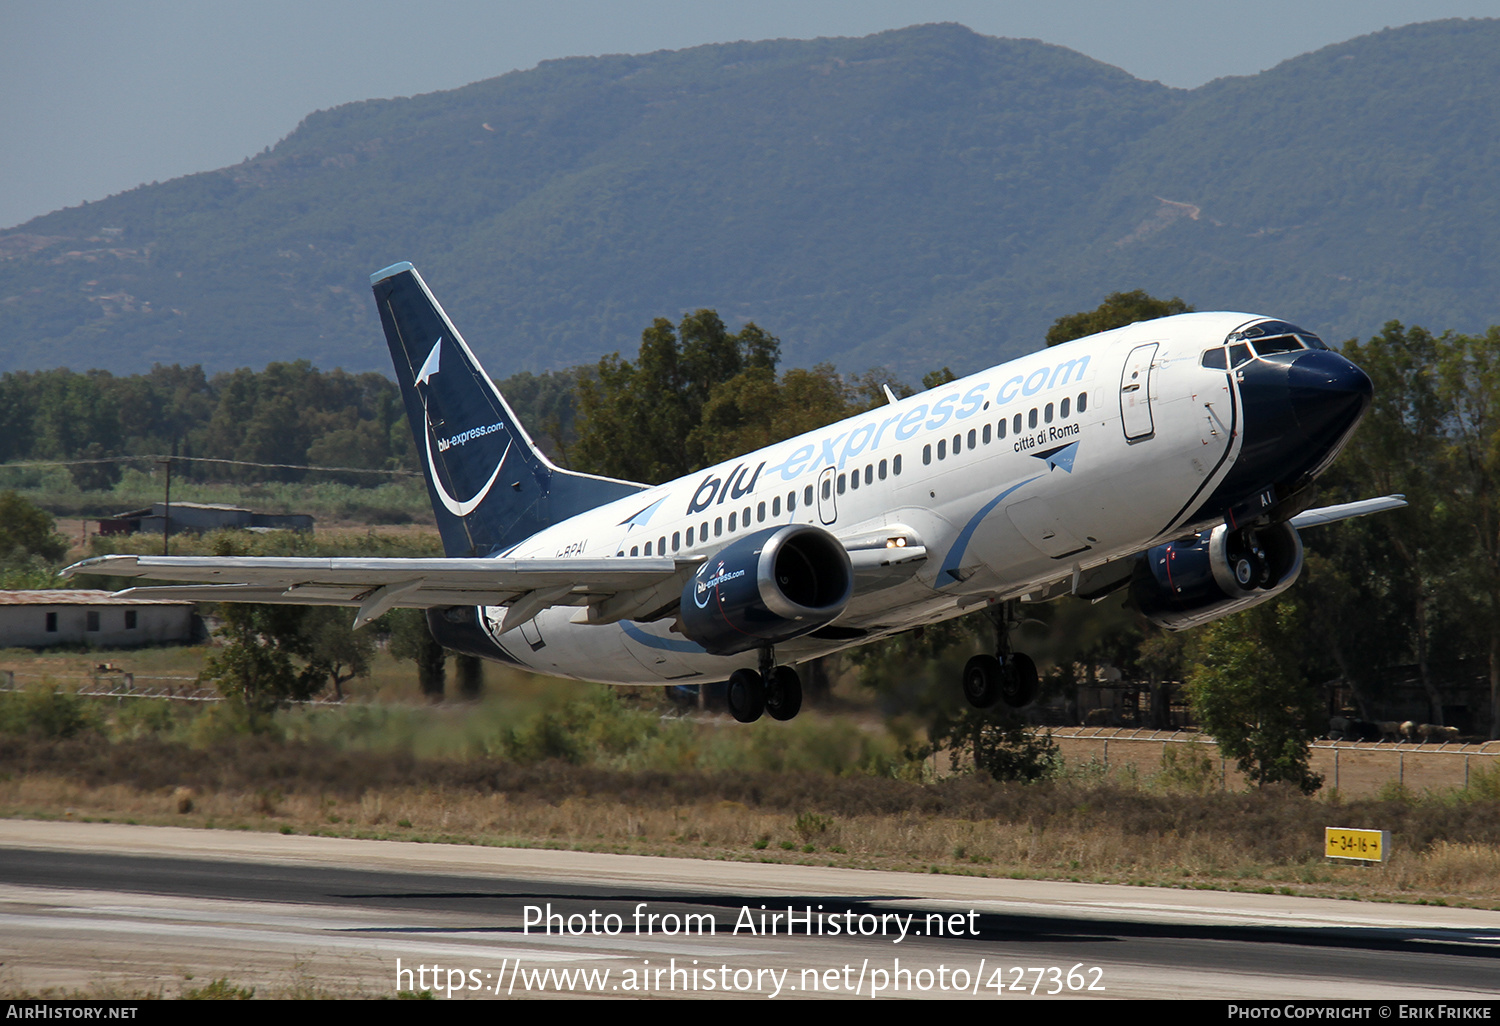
[
  {"x": 775, "y": 689},
  {"x": 1006, "y": 676}
]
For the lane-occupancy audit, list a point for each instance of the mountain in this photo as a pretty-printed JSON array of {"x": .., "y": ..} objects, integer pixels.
[{"x": 915, "y": 198}]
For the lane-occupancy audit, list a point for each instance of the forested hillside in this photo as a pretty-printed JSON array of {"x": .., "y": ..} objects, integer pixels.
[{"x": 911, "y": 198}]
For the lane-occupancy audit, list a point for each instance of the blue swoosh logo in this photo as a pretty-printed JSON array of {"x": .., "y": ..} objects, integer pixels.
[
  {"x": 634, "y": 633},
  {"x": 956, "y": 553}
]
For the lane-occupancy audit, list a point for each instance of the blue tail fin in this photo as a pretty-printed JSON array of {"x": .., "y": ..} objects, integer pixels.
[{"x": 490, "y": 486}]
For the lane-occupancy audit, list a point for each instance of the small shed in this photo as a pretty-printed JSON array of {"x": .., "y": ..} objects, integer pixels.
[{"x": 40, "y": 619}]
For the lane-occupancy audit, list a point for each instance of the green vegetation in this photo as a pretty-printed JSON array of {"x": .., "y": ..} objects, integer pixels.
[
  {"x": 1248, "y": 693},
  {"x": 1117, "y": 310},
  {"x": 597, "y": 770}
]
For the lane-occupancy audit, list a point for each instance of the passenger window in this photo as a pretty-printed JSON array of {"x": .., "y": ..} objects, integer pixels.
[
  {"x": 827, "y": 490},
  {"x": 731, "y": 522},
  {"x": 1083, "y": 401},
  {"x": 1031, "y": 418},
  {"x": 776, "y": 506},
  {"x": 1047, "y": 413},
  {"x": 807, "y": 496},
  {"x": 1000, "y": 428},
  {"x": 942, "y": 448},
  {"x": 882, "y": 470},
  {"x": 1015, "y": 424},
  {"x": 661, "y": 545},
  {"x": 718, "y": 526},
  {"x": 926, "y": 454},
  {"x": 760, "y": 513},
  {"x": 1062, "y": 409},
  {"x": 854, "y": 480},
  {"x": 648, "y": 548},
  {"x": 745, "y": 517},
  {"x": 869, "y": 473},
  {"x": 676, "y": 540},
  {"x": 690, "y": 537},
  {"x": 986, "y": 434},
  {"x": 635, "y": 550},
  {"x": 841, "y": 484},
  {"x": 896, "y": 464}
]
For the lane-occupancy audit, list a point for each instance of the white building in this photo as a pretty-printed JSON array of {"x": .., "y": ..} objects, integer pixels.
[{"x": 38, "y": 619}]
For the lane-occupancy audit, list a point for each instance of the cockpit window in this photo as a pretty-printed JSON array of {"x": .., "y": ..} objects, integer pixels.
[
  {"x": 1264, "y": 329},
  {"x": 1239, "y": 353},
  {"x": 1214, "y": 359},
  {"x": 1278, "y": 344}
]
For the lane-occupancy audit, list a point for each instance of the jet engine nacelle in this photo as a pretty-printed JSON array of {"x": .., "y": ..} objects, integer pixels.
[
  {"x": 768, "y": 587},
  {"x": 1189, "y": 582}
]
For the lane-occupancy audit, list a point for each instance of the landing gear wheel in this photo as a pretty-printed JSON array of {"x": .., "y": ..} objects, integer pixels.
[
  {"x": 983, "y": 677},
  {"x": 747, "y": 695},
  {"x": 1020, "y": 684},
  {"x": 783, "y": 693}
]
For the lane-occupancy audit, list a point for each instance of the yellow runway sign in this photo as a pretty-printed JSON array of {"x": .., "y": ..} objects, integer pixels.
[{"x": 1365, "y": 845}]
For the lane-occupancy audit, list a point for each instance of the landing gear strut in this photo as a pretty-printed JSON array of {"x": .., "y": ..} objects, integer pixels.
[
  {"x": 775, "y": 689},
  {"x": 1005, "y": 676}
]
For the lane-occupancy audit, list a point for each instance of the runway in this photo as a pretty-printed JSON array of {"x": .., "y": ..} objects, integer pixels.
[{"x": 142, "y": 909}]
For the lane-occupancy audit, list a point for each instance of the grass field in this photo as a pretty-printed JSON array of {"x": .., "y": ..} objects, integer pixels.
[{"x": 541, "y": 763}]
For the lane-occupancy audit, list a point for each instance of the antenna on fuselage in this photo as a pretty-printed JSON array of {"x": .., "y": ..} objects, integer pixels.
[{"x": 889, "y": 395}]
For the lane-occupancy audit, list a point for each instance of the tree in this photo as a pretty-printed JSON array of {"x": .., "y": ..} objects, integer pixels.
[
  {"x": 638, "y": 421},
  {"x": 332, "y": 648},
  {"x": 275, "y": 655},
  {"x": 1469, "y": 390},
  {"x": 411, "y": 639},
  {"x": 1117, "y": 310},
  {"x": 256, "y": 665},
  {"x": 97, "y": 473},
  {"x": 1249, "y": 693},
  {"x": 27, "y": 531}
]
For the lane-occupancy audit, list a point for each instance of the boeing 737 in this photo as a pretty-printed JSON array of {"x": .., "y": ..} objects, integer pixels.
[{"x": 1174, "y": 457}]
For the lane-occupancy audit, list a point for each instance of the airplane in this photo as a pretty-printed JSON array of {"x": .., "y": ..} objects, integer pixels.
[{"x": 1174, "y": 457}]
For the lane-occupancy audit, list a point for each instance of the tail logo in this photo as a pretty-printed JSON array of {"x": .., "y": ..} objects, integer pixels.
[
  {"x": 458, "y": 508},
  {"x": 430, "y": 365}
]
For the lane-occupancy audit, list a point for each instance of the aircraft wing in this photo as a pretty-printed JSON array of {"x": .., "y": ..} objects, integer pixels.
[
  {"x": 613, "y": 589},
  {"x": 1344, "y": 511}
]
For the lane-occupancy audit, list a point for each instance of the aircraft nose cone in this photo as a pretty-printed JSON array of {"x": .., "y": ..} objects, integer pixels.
[{"x": 1328, "y": 395}]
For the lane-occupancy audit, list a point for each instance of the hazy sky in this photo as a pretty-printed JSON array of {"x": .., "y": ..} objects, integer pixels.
[{"x": 102, "y": 95}]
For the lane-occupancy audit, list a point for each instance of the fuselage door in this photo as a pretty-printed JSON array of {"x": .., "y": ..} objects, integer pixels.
[
  {"x": 828, "y": 510},
  {"x": 1135, "y": 393}
]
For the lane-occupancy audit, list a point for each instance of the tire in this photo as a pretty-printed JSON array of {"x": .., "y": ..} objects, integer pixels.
[
  {"x": 746, "y": 694},
  {"x": 983, "y": 676},
  {"x": 1020, "y": 685},
  {"x": 783, "y": 693}
]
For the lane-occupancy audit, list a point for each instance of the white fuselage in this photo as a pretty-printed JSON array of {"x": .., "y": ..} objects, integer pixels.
[{"x": 1016, "y": 480}]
